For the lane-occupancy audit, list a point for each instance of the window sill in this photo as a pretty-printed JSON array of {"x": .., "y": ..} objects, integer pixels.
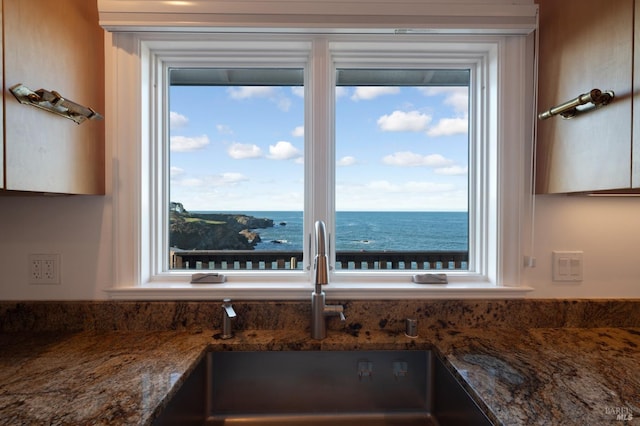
[{"x": 302, "y": 291}]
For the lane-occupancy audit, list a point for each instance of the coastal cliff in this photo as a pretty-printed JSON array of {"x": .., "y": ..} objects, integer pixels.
[{"x": 213, "y": 231}]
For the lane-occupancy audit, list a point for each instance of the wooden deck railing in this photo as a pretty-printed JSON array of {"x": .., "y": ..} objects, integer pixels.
[{"x": 254, "y": 259}]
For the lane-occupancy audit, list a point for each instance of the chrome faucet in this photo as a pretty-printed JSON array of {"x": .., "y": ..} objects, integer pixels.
[
  {"x": 228, "y": 314},
  {"x": 319, "y": 310}
]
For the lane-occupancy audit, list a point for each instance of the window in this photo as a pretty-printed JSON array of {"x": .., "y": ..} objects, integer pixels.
[
  {"x": 236, "y": 161},
  {"x": 402, "y": 168},
  {"x": 315, "y": 151},
  {"x": 236, "y": 168}
]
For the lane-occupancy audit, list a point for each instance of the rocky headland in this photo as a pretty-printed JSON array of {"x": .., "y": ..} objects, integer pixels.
[{"x": 213, "y": 231}]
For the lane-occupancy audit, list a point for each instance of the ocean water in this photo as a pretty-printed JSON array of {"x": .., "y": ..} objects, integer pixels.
[{"x": 375, "y": 231}]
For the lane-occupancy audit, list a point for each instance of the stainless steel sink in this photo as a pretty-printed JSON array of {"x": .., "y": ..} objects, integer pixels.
[{"x": 318, "y": 388}]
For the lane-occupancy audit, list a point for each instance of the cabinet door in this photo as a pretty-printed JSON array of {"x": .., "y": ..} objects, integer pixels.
[
  {"x": 1, "y": 108},
  {"x": 635, "y": 168},
  {"x": 54, "y": 45},
  {"x": 585, "y": 44}
]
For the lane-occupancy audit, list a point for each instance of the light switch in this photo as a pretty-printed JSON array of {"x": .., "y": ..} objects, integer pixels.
[{"x": 567, "y": 265}]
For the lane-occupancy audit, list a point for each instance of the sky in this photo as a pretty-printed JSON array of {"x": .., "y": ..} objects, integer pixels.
[{"x": 241, "y": 148}]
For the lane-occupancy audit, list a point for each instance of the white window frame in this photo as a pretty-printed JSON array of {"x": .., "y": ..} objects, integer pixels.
[{"x": 135, "y": 78}]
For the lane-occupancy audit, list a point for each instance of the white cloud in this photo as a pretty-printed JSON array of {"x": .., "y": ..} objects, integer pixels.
[
  {"x": 239, "y": 151},
  {"x": 175, "y": 171},
  {"x": 272, "y": 93},
  {"x": 400, "y": 121},
  {"x": 186, "y": 144},
  {"x": 283, "y": 103},
  {"x": 341, "y": 92},
  {"x": 222, "y": 180},
  {"x": 427, "y": 187},
  {"x": 456, "y": 97},
  {"x": 384, "y": 186},
  {"x": 224, "y": 129},
  {"x": 346, "y": 161},
  {"x": 283, "y": 150},
  {"x": 452, "y": 171},
  {"x": 247, "y": 92},
  {"x": 411, "y": 159},
  {"x": 298, "y": 91},
  {"x": 231, "y": 178},
  {"x": 229, "y": 197},
  {"x": 371, "y": 92},
  {"x": 449, "y": 126},
  {"x": 381, "y": 186},
  {"x": 459, "y": 100},
  {"x": 298, "y": 132},
  {"x": 189, "y": 182},
  {"x": 401, "y": 196},
  {"x": 177, "y": 120}
]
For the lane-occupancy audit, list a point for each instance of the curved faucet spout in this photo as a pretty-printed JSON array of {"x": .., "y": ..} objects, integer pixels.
[
  {"x": 321, "y": 237},
  {"x": 321, "y": 260},
  {"x": 319, "y": 309}
]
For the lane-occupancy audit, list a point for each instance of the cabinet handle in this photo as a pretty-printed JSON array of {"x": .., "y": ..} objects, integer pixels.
[
  {"x": 53, "y": 102},
  {"x": 570, "y": 109}
]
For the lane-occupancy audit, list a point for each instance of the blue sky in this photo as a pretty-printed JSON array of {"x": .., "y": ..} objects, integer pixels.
[{"x": 241, "y": 148}]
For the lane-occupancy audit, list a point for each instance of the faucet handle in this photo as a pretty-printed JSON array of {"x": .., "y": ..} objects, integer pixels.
[
  {"x": 228, "y": 314},
  {"x": 335, "y": 310},
  {"x": 228, "y": 307}
]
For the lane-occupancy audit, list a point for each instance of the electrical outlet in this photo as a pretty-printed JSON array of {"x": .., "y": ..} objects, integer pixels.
[
  {"x": 44, "y": 269},
  {"x": 35, "y": 270}
]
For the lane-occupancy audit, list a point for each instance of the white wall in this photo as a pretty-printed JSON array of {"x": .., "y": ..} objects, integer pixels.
[
  {"x": 79, "y": 228},
  {"x": 606, "y": 229}
]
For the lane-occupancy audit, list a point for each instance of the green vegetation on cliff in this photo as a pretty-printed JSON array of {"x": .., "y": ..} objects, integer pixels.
[{"x": 213, "y": 231}]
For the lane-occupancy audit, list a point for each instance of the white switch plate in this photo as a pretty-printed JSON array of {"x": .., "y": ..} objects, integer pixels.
[{"x": 567, "y": 265}]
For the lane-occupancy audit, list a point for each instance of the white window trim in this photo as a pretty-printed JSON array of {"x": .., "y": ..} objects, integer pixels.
[
  {"x": 137, "y": 176},
  {"x": 444, "y": 16}
]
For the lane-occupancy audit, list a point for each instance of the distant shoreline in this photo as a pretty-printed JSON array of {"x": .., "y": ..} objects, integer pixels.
[{"x": 369, "y": 231}]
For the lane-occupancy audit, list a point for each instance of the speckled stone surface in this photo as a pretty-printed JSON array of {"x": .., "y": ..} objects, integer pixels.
[
  {"x": 118, "y": 363},
  {"x": 294, "y": 315},
  {"x": 543, "y": 376},
  {"x": 99, "y": 379},
  {"x": 565, "y": 376}
]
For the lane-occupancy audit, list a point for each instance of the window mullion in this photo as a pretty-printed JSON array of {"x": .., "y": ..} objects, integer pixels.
[{"x": 319, "y": 142}]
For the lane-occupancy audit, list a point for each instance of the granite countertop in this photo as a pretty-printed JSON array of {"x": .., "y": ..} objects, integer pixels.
[
  {"x": 521, "y": 377},
  {"x": 565, "y": 376}
]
